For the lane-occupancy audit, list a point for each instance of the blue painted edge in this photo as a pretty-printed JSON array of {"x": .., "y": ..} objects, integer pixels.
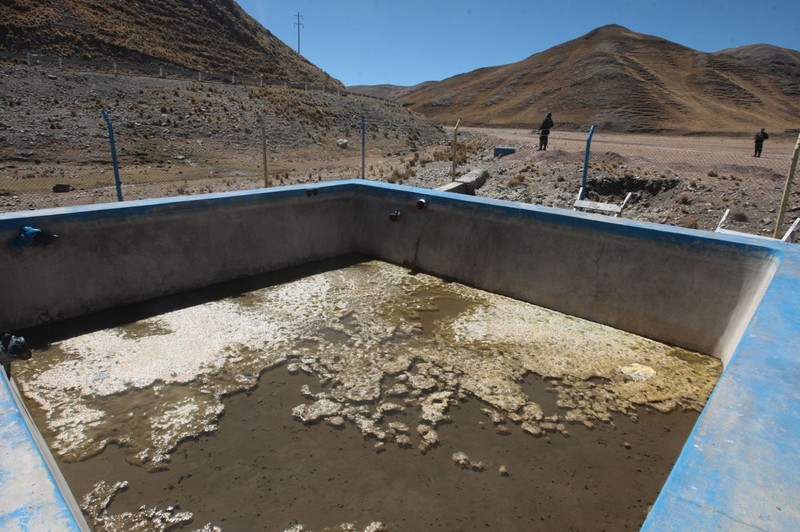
[
  {"x": 740, "y": 467},
  {"x": 97, "y": 211},
  {"x": 13, "y": 221},
  {"x": 34, "y": 506}
]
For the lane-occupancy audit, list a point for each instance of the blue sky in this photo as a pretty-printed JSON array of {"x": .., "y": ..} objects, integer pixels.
[{"x": 405, "y": 42}]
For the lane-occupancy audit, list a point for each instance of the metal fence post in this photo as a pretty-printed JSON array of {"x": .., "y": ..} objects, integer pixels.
[
  {"x": 363, "y": 146},
  {"x": 113, "y": 154},
  {"x": 264, "y": 150},
  {"x": 586, "y": 162},
  {"x": 787, "y": 189},
  {"x": 455, "y": 142}
]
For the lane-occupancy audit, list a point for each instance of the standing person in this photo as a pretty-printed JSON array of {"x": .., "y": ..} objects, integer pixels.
[
  {"x": 544, "y": 131},
  {"x": 761, "y": 136}
]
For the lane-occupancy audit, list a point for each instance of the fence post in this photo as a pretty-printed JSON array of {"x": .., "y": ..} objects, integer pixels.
[
  {"x": 264, "y": 150},
  {"x": 113, "y": 154},
  {"x": 586, "y": 162},
  {"x": 363, "y": 146},
  {"x": 455, "y": 142},
  {"x": 60, "y": 64},
  {"x": 787, "y": 189}
]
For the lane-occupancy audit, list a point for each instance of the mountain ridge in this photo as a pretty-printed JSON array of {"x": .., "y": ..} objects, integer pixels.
[{"x": 624, "y": 81}]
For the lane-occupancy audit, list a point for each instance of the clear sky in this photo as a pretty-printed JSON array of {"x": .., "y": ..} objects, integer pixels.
[{"x": 405, "y": 42}]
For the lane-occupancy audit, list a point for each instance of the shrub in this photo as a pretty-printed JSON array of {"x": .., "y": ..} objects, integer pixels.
[
  {"x": 690, "y": 223},
  {"x": 739, "y": 216}
]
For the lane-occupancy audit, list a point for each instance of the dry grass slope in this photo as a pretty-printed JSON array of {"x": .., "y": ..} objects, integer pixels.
[
  {"x": 207, "y": 35},
  {"x": 628, "y": 82}
]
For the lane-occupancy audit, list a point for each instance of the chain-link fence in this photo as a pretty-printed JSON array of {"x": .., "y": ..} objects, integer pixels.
[
  {"x": 181, "y": 136},
  {"x": 184, "y": 136},
  {"x": 688, "y": 181},
  {"x": 709, "y": 178}
]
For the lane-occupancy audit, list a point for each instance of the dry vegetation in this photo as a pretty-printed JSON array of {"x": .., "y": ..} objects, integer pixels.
[
  {"x": 623, "y": 81},
  {"x": 215, "y": 36}
]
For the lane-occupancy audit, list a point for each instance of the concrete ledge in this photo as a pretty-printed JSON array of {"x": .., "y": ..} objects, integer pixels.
[
  {"x": 474, "y": 179},
  {"x": 454, "y": 187},
  {"x": 466, "y": 184}
]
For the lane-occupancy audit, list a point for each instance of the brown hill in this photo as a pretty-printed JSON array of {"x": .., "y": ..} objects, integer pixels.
[
  {"x": 390, "y": 92},
  {"x": 207, "y": 35},
  {"x": 625, "y": 81}
]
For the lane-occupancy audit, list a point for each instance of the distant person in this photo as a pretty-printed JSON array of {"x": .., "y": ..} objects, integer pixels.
[
  {"x": 544, "y": 131},
  {"x": 761, "y": 136}
]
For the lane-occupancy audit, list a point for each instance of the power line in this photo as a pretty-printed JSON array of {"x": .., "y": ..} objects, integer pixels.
[{"x": 299, "y": 25}]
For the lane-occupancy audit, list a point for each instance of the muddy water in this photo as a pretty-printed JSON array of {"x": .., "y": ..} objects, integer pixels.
[{"x": 345, "y": 395}]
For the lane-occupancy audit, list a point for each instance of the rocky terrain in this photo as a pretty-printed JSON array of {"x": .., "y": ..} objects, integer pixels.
[
  {"x": 177, "y": 137},
  {"x": 186, "y": 135},
  {"x": 207, "y": 35},
  {"x": 688, "y": 182}
]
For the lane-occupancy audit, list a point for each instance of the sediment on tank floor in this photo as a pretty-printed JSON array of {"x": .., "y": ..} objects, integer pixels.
[{"x": 416, "y": 384}]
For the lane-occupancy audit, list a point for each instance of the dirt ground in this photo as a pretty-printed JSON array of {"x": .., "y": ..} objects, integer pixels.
[
  {"x": 177, "y": 137},
  {"x": 684, "y": 181},
  {"x": 688, "y": 182}
]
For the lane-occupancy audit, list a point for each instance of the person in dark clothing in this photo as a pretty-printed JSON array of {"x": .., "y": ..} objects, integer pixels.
[
  {"x": 544, "y": 131},
  {"x": 761, "y": 136}
]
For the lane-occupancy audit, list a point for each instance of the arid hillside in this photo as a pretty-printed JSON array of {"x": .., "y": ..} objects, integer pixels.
[
  {"x": 207, "y": 35},
  {"x": 626, "y": 82},
  {"x": 390, "y": 92}
]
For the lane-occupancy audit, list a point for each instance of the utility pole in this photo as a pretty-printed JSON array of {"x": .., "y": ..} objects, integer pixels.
[{"x": 299, "y": 25}]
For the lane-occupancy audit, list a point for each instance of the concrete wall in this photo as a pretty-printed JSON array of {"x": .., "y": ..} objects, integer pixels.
[
  {"x": 111, "y": 255},
  {"x": 696, "y": 290},
  {"x": 732, "y": 296},
  {"x": 686, "y": 288}
]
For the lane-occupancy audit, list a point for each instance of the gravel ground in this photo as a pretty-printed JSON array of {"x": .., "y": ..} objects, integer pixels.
[{"x": 177, "y": 137}]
